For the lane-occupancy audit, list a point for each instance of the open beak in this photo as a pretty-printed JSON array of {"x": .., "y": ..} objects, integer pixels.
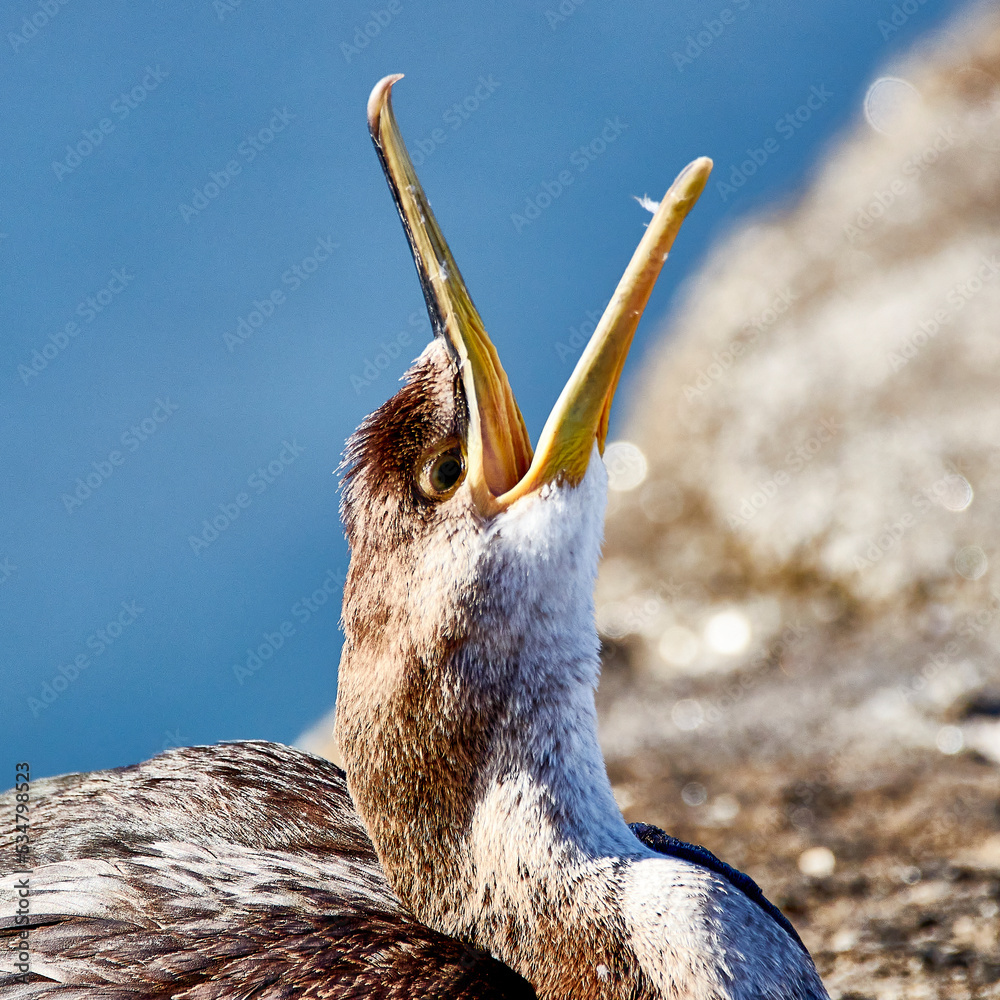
[{"x": 501, "y": 467}]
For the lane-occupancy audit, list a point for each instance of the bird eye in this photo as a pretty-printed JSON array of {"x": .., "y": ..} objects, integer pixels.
[{"x": 443, "y": 470}]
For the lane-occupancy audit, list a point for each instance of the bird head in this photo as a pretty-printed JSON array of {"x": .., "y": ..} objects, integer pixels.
[
  {"x": 453, "y": 442},
  {"x": 469, "y": 599}
]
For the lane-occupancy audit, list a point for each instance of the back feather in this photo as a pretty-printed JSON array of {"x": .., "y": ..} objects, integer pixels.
[{"x": 215, "y": 872}]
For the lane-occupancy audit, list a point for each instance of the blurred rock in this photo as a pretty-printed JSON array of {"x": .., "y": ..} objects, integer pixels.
[
  {"x": 800, "y": 599},
  {"x": 318, "y": 739},
  {"x": 802, "y": 545}
]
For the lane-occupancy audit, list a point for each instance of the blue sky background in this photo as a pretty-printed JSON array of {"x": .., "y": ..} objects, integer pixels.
[{"x": 113, "y": 577}]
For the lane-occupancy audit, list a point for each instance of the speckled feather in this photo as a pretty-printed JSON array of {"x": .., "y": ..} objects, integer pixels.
[{"x": 211, "y": 872}]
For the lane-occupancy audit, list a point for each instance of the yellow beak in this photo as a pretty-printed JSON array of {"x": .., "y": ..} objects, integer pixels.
[{"x": 501, "y": 467}]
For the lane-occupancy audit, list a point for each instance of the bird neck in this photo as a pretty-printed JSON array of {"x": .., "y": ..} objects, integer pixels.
[
  {"x": 517, "y": 850},
  {"x": 474, "y": 760}
]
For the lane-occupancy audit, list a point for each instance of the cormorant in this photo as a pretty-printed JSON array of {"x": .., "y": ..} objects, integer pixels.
[{"x": 473, "y": 848}]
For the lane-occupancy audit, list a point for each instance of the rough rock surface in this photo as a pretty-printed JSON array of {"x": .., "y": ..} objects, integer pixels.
[{"x": 801, "y": 590}]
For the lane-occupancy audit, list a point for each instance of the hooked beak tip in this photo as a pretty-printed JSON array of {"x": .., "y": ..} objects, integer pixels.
[{"x": 378, "y": 99}]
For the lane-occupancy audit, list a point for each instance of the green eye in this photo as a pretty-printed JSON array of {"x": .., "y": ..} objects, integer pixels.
[{"x": 442, "y": 472}]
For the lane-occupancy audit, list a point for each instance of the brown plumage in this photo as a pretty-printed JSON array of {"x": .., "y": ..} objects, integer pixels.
[
  {"x": 210, "y": 872},
  {"x": 498, "y": 864}
]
